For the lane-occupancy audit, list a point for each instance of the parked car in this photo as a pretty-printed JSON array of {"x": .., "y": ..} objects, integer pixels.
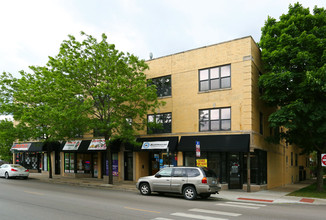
[
  {"x": 189, "y": 181},
  {"x": 13, "y": 170}
]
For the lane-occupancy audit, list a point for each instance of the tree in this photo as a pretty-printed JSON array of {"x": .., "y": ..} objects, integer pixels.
[
  {"x": 7, "y": 137},
  {"x": 40, "y": 104},
  {"x": 112, "y": 85},
  {"x": 294, "y": 55}
]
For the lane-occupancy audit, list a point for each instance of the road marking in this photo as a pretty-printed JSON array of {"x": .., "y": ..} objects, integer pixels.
[
  {"x": 180, "y": 214},
  {"x": 34, "y": 193},
  {"x": 162, "y": 218},
  {"x": 215, "y": 212},
  {"x": 246, "y": 203},
  {"x": 257, "y": 200},
  {"x": 239, "y": 206},
  {"x": 143, "y": 210}
]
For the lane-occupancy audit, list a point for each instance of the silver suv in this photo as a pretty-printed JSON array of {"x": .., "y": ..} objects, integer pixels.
[{"x": 189, "y": 181}]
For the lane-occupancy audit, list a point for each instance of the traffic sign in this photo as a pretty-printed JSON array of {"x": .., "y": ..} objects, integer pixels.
[{"x": 323, "y": 160}]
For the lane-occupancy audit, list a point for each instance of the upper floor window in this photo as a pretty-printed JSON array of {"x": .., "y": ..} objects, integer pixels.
[
  {"x": 215, "y": 78},
  {"x": 215, "y": 119},
  {"x": 159, "y": 123},
  {"x": 163, "y": 85}
]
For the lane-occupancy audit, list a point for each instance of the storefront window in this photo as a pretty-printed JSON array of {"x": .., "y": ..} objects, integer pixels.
[
  {"x": 115, "y": 170},
  {"x": 69, "y": 162},
  {"x": 83, "y": 163}
]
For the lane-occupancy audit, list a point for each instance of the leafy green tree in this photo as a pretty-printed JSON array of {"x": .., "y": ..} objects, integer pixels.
[
  {"x": 294, "y": 57},
  {"x": 7, "y": 137},
  {"x": 112, "y": 85},
  {"x": 40, "y": 105}
]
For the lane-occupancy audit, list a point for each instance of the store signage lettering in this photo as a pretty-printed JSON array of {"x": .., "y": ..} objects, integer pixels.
[
  {"x": 97, "y": 144},
  {"x": 72, "y": 145},
  {"x": 155, "y": 145},
  {"x": 201, "y": 162},
  {"x": 21, "y": 147}
]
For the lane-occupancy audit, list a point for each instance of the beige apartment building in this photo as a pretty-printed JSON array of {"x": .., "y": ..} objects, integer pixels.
[{"x": 214, "y": 117}]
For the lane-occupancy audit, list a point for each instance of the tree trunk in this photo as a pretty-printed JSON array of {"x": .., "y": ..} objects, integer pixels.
[
  {"x": 49, "y": 158},
  {"x": 320, "y": 183}
]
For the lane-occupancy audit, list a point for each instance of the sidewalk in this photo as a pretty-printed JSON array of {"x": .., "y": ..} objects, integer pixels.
[{"x": 275, "y": 195}]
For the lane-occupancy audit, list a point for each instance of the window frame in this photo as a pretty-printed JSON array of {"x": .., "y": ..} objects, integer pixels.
[
  {"x": 166, "y": 127},
  {"x": 219, "y": 120},
  {"x": 210, "y": 78},
  {"x": 159, "y": 82}
]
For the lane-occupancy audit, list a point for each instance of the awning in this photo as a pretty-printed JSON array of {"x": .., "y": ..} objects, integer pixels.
[
  {"x": 157, "y": 143},
  {"x": 79, "y": 146},
  {"x": 28, "y": 147},
  {"x": 97, "y": 144},
  {"x": 216, "y": 143}
]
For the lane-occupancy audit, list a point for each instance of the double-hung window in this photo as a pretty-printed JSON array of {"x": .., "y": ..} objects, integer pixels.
[
  {"x": 163, "y": 85},
  {"x": 159, "y": 123},
  {"x": 216, "y": 119},
  {"x": 215, "y": 78}
]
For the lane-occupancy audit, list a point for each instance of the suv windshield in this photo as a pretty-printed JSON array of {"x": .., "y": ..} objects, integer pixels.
[{"x": 209, "y": 173}]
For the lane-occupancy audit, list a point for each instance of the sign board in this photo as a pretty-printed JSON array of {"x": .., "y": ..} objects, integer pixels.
[
  {"x": 197, "y": 149},
  {"x": 21, "y": 147},
  {"x": 97, "y": 144},
  {"x": 201, "y": 162},
  {"x": 155, "y": 145},
  {"x": 323, "y": 160},
  {"x": 72, "y": 145}
]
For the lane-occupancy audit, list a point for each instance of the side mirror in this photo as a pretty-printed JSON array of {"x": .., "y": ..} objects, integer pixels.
[{"x": 157, "y": 175}]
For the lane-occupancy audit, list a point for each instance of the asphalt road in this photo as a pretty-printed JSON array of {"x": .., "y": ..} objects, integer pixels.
[{"x": 33, "y": 200}]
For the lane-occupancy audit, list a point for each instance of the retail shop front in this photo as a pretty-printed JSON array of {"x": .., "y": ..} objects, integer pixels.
[
  {"x": 156, "y": 153},
  {"x": 34, "y": 155},
  {"x": 87, "y": 158},
  {"x": 222, "y": 153}
]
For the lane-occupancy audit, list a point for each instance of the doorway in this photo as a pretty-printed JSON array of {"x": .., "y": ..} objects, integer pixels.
[
  {"x": 235, "y": 171},
  {"x": 128, "y": 165}
]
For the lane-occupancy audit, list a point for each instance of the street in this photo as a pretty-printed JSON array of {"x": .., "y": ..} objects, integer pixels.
[{"x": 32, "y": 199}]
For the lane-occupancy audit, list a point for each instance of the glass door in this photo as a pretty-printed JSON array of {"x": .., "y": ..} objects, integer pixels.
[{"x": 235, "y": 171}]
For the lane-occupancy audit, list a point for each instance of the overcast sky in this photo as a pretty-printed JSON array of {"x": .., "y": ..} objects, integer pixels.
[{"x": 32, "y": 30}]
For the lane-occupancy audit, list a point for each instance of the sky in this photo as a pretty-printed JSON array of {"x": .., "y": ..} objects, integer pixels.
[{"x": 32, "y": 30}]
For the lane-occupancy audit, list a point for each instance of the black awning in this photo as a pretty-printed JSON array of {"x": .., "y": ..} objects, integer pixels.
[
  {"x": 173, "y": 142},
  {"x": 216, "y": 143},
  {"x": 36, "y": 147}
]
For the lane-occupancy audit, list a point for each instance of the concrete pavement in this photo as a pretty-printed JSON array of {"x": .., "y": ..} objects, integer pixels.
[{"x": 275, "y": 195}]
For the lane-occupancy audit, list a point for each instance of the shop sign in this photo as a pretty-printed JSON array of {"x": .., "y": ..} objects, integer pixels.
[
  {"x": 155, "y": 145},
  {"x": 72, "y": 145},
  {"x": 97, "y": 144},
  {"x": 197, "y": 149},
  {"x": 201, "y": 162},
  {"x": 21, "y": 147},
  {"x": 323, "y": 160}
]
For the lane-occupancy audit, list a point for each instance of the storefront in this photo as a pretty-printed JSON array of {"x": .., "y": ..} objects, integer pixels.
[
  {"x": 159, "y": 152},
  {"x": 226, "y": 155},
  {"x": 88, "y": 158}
]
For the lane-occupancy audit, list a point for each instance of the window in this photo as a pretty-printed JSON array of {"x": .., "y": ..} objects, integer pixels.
[
  {"x": 291, "y": 158},
  {"x": 159, "y": 123},
  {"x": 163, "y": 85},
  {"x": 215, "y": 119},
  {"x": 261, "y": 123},
  {"x": 69, "y": 163},
  {"x": 296, "y": 160},
  {"x": 192, "y": 172},
  {"x": 179, "y": 172},
  {"x": 215, "y": 78},
  {"x": 165, "y": 172}
]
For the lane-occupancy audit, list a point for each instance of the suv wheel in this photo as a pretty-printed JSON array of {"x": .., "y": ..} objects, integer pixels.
[
  {"x": 145, "y": 189},
  {"x": 190, "y": 193}
]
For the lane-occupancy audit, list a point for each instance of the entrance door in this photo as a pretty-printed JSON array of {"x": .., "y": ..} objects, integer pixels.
[
  {"x": 57, "y": 162},
  {"x": 235, "y": 172},
  {"x": 128, "y": 165}
]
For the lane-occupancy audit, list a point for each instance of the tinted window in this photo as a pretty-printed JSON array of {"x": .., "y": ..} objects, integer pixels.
[
  {"x": 192, "y": 172},
  {"x": 166, "y": 172},
  {"x": 209, "y": 173},
  {"x": 179, "y": 172}
]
